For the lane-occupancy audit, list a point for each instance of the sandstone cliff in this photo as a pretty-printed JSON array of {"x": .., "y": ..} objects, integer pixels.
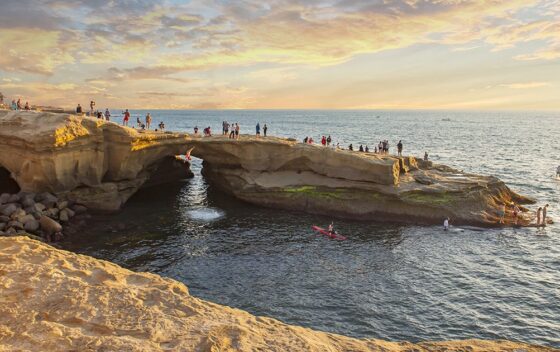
[
  {"x": 53, "y": 300},
  {"x": 101, "y": 164}
]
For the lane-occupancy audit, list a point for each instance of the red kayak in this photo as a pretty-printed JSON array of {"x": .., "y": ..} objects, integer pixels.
[{"x": 327, "y": 233}]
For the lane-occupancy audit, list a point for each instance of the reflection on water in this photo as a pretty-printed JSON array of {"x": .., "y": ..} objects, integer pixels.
[{"x": 385, "y": 281}]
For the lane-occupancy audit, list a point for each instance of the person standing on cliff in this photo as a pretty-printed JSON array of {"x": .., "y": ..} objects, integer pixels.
[
  {"x": 502, "y": 214},
  {"x": 265, "y": 128},
  {"x": 91, "y": 107},
  {"x": 126, "y": 118},
  {"x": 79, "y": 109},
  {"x": 399, "y": 148},
  {"x": 236, "y": 130},
  {"x": 19, "y": 106},
  {"x": 107, "y": 114},
  {"x": 425, "y": 156},
  {"x": 148, "y": 121},
  {"x": 539, "y": 214},
  {"x": 258, "y": 130}
]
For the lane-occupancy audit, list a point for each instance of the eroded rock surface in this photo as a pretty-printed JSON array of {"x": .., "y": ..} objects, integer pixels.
[{"x": 53, "y": 300}]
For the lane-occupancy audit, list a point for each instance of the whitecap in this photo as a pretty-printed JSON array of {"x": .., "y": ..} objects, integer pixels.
[{"x": 205, "y": 214}]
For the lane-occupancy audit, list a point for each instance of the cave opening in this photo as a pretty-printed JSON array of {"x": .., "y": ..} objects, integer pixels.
[{"x": 7, "y": 183}]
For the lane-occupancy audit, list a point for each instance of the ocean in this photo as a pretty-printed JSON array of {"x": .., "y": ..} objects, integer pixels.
[{"x": 388, "y": 281}]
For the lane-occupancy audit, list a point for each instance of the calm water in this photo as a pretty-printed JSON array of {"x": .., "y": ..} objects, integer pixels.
[{"x": 386, "y": 281}]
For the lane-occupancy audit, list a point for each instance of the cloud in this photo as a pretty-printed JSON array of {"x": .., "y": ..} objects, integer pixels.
[{"x": 525, "y": 85}]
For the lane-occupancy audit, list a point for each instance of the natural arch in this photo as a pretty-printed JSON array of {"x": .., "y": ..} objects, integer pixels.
[{"x": 7, "y": 183}]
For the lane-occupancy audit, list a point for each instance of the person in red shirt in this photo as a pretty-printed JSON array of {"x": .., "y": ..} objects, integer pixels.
[{"x": 126, "y": 118}]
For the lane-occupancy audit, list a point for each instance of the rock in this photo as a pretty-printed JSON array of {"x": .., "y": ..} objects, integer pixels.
[
  {"x": 40, "y": 207},
  {"x": 2, "y": 233},
  {"x": 63, "y": 216},
  {"x": 2, "y": 226},
  {"x": 16, "y": 225},
  {"x": 49, "y": 226},
  {"x": 19, "y": 213},
  {"x": 31, "y": 226},
  {"x": 47, "y": 199},
  {"x": 70, "y": 212},
  {"x": 62, "y": 205},
  {"x": 52, "y": 213},
  {"x": 9, "y": 209},
  {"x": 4, "y": 197},
  {"x": 4, "y": 218},
  {"x": 10, "y": 232},
  {"x": 14, "y": 198},
  {"x": 27, "y": 202},
  {"x": 79, "y": 209},
  {"x": 26, "y": 218}
]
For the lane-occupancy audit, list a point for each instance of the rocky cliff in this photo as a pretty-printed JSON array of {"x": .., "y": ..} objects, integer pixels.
[
  {"x": 53, "y": 300},
  {"x": 94, "y": 162},
  {"x": 101, "y": 164}
]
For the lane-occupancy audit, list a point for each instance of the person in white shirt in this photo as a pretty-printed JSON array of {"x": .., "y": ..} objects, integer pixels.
[{"x": 446, "y": 224}]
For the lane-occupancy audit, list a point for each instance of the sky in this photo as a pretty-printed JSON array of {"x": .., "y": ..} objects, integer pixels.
[{"x": 282, "y": 54}]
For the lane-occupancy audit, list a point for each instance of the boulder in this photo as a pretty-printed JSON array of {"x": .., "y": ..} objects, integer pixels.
[
  {"x": 10, "y": 232},
  {"x": 4, "y": 197},
  {"x": 19, "y": 213},
  {"x": 79, "y": 209},
  {"x": 4, "y": 218},
  {"x": 70, "y": 212},
  {"x": 47, "y": 199},
  {"x": 52, "y": 213},
  {"x": 27, "y": 202},
  {"x": 31, "y": 226},
  {"x": 14, "y": 198},
  {"x": 63, "y": 216},
  {"x": 9, "y": 209},
  {"x": 39, "y": 207},
  {"x": 62, "y": 205},
  {"x": 26, "y": 218},
  {"x": 49, "y": 226},
  {"x": 16, "y": 225}
]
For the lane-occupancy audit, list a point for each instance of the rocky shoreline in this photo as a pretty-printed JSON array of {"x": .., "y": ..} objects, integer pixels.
[
  {"x": 54, "y": 300},
  {"x": 41, "y": 216}
]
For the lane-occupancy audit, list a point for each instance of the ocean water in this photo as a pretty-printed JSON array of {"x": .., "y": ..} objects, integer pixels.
[{"x": 386, "y": 281}]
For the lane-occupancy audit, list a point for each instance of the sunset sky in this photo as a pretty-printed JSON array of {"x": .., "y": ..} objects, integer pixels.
[{"x": 331, "y": 54}]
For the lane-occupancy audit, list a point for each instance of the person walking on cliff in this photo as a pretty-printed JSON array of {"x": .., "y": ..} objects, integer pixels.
[
  {"x": 148, "y": 121},
  {"x": 399, "y": 148},
  {"x": 258, "y": 130},
  {"x": 265, "y": 128},
  {"x": 126, "y": 118}
]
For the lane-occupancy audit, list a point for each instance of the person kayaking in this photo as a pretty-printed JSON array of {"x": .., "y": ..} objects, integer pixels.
[{"x": 331, "y": 229}]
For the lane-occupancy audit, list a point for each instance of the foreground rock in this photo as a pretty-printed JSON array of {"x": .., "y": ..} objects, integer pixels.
[
  {"x": 101, "y": 164},
  {"x": 54, "y": 300}
]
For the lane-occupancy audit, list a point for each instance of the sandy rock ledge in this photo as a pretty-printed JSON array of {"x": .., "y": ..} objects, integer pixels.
[{"x": 54, "y": 300}]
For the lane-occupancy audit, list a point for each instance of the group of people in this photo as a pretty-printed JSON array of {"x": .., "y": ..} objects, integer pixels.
[
  {"x": 230, "y": 130},
  {"x": 17, "y": 105},
  {"x": 126, "y": 117},
  {"x": 516, "y": 211}
]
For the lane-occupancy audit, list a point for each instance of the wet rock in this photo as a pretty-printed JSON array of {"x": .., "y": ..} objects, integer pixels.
[
  {"x": 4, "y": 198},
  {"x": 8, "y": 209},
  {"x": 79, "y": 209},
  {"x": 16, "y": 225},
  {"x": 62, "y": 205},
  {"x": 63, "y": 216},
  {"x": 14, "y": 198},
  {"x": 31, "y": 226},
  {"x": 49, "y": 226},
  {"x": 39, "y": 207}
]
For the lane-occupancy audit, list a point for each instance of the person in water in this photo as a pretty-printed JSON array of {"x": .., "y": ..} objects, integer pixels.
[
  {"x": 544, "y": 215},
  {"x": 446, "y": 224}
]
